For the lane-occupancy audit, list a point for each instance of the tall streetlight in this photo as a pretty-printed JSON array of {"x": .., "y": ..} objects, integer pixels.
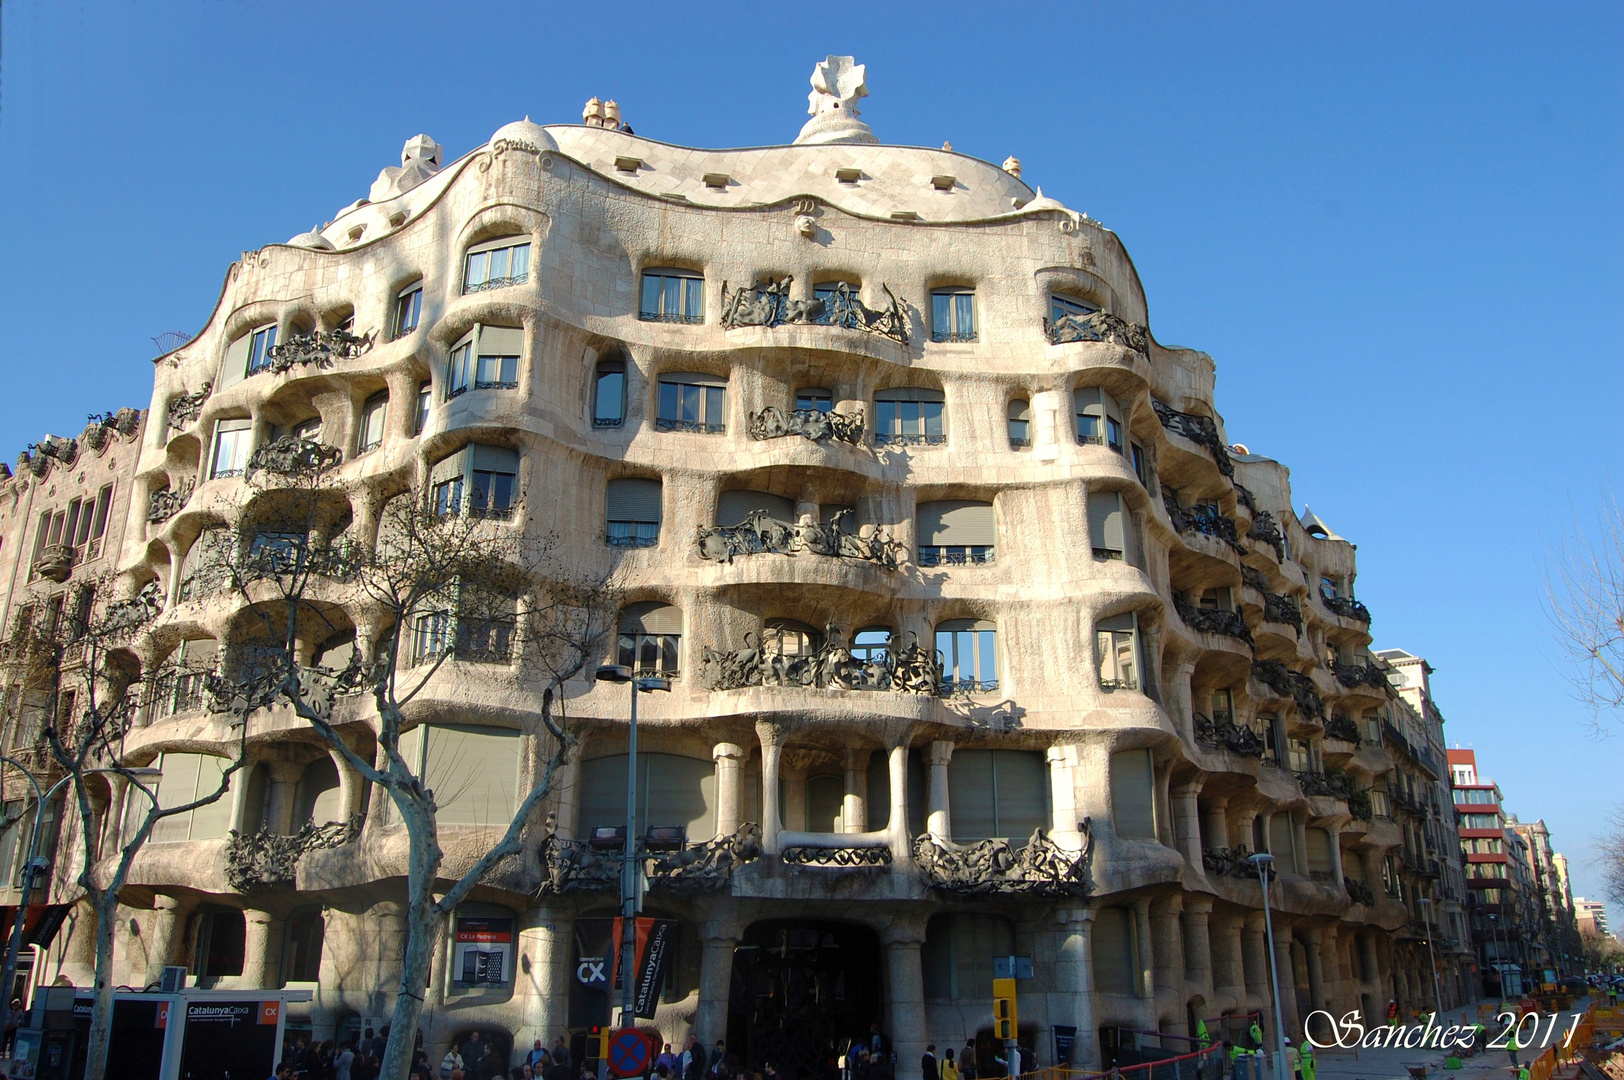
[
  {"x": 1499, "y": 960},
  {"x": 1261, "y": 861},
  {"x": 33, "y": 867},
  {"x": 1437, "y": 995},
  {"x": 620, "y": 673}
]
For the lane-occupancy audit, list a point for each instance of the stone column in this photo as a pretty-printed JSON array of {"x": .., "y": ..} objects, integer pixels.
[
  {"x": 1187, "y": 822},
  {"x": 1063, "y": 790},
  {"x": 1215, "y": 828},
  {"x": 855, "y": 816},
  {"x": 168, "y": 933},
  {"x": 1288, "y": 978},
  {"x": 261, "y": 950},
  {"x": 1167, "y": 953},
  {"x": 718, "y": 937},
  {"x": 1336, "y": 856},
  {"x": 1244, "y": 827},
  {"x": 729, "y": 759},
  {"x": 939, "y": 821},
  {"x": 907, "y": 1024},
  {"x": 901, "y": 842},
  {"x": 1147, "y": 963},
  {"x": 1198, "y": 969},
  {"x": 541, "y": 982},
  {"x": 1229, "y": 966},
  {"x": 1313, "y": 943},
  {"x": 1072, "y": 1003},
  {"x": 771, "y": 751},
  {"x": 280, "y": 793},
  {"x": 1255, "y": 959}
]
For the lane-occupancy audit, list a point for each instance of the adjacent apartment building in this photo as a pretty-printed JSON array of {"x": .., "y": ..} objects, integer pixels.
[{"x": 983, "y": 638}]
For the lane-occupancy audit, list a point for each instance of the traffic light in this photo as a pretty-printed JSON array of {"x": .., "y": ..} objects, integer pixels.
[
  {"x": 1004, "y": 1020},
  {"x": 594, "y": 1043}
]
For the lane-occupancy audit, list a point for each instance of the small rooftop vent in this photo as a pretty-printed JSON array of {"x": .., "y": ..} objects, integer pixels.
[
  {"x": 848, "y": 176},
  {"x": 943, "y": 182},
  {"x": 627, "y": 164}
]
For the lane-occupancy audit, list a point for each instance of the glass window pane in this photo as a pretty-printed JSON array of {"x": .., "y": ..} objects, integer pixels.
[
  {"x": 671, "y": 301},
  {"x": 651, "y": 295},
  {"x": 713, "y": 405},
  {"x": 964, "y": 314},
  {"x": 510, "y": 370},
  {"x": 606, "y": 406},
  {"x": 499, "y": 263},
  {"x": 932, "y": 411},
  {"x": 690, "y": 404},
  {"x": 669, "y": 392},
  {"x": 477, "y": 265},
  {"x": 694, "y": 306},
  {"x": 885, "y": 417},
  {"x": 941, "y": 314},
  {"x": 521, "y": 262}
]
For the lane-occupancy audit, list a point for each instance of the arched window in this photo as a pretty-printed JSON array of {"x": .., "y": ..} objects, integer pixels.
[
  {"x": 671, "y": 790},
  {"x": 1133, "y": 794},
  {"x": 486, "y": 358},
  {"x": 692, "y": 401},
  {"x": 735, "y": 507},
  {"x": 1109, "y": 524},
  {"x": 651, "y": 639},
  {"x": 408, "y": 308},
  {"x": 1001, "y": 794},
  {"x": 959, "y": 951},
  {"x": 1115, "y": 942},
  {"x": 609, "y": 393},
  {"x": 301, "y": 951},
  {"x": 871, "y": 644},
  {"x": 319, "y": 800},
  {"x": 953, "y": 314},
  {"x": 250, "y": 353},
  {"x": 233, "y": 439},
  {"x": 633, "y": 512},
  {"x": 496, "y": 264},
  {"x": 1020, "y": 423},
  {"x": 969, "y": 652},
  {"x": 369, "y": 431},
  {"x": 1099, "y": 418},
  {"x": 909, "y": 416},
  {"x": 955, "y": 532},
  {"x": 814, "y": 399},
  {"x": 1118, "y": 646},
  {"x": 791, "y": 639},
  {"x": 672, "y": 296}
]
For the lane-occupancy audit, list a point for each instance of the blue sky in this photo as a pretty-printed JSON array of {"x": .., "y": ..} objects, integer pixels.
[{"x": 1396, "y": 227}]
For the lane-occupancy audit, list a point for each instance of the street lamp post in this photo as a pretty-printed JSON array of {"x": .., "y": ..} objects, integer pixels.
[
  {"x": 1437, "y": 994},
  {"x": 618, "y": 673},
  {"x": 1499, "y": 960},
  {"x": 1262, "y": 860}
]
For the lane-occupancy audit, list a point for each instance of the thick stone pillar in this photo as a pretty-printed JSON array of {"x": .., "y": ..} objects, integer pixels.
[
  {"x": 1072, "y": 1002},
  {"x": 1288, "y": 979},
  {"x": 1063, "y": 791},
  {"x": 730, "y": 758},
  {"x": 1167, "y": 956},
  {"x": 1198, "y": 971},
  {"x": 168, "y": 934},
  {"x": 718, "y": 937},
  {"x": 938, "y": 822},
  {"x": 771, "y": 752},
  {"x": 261, "y": 950},
  {"x": 901, "y": 842},
  {"x": 390, "y": 936},
  {"x": 1147, "y": 949},
  {"x": 855, "y": 817},
  {"x": 280, "y": 794},
  {"x": 1187, "y": 823},
  {"x": 1215, "y": 831},
  {"x": 1229, "y": 966},
  {"x": 541, "y": 981},
  {"x": 1336, "y": 856},
  {"x": 1313, "y": 944},
  {"x": 1255, "y": 958},
  {"x": 906, "y": 982}
]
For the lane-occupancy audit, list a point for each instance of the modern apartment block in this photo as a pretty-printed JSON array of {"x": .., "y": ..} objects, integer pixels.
[
  {"x": 983, "y": 638},
  {"x": 1558, "y": 937},
  {"x": 1591, "y": 915}
]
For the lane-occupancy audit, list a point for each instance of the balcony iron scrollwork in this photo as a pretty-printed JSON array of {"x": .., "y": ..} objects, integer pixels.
[
  {"x": 1232, "y": 862},
  {"x": 260, "y": 859},
  {"x": 568, "y": 865},
  {"x": 1358, "y": 891},
  {"x": 909, "y": 670},
  {"x": 815, "y": 424},
  {"x": 165, "y": 503},
  {"x": 291, "y": 457},
  {"x": 99, "y": 427},
  {"x": 1230, "y": 623},
  {"x": 771, "y": 305},
  {"x": 1278, "y": 608},
  {"x": 1203, "y": 518},
  {"x": 1299, "y": 688},
  {"x": 1356, "y": 675},
  {"x": 1224, "y": 734},
  {"x": 1201, "y": 430},
  {"x": 1040, "y": 867},
  {"x": 184, "y": 409},
  {"x": 319, "y": 347},
  {"x": 1331, "y": 785},
  {"x": 1347, "y": 607},
  {"x": 1097, "y": 326},
  {"x": 759, "y": 534},
  {"x": 1264, "y": 529},
  {"x": 810, "y": 855},
  {"x": 1340, "y": 727}
]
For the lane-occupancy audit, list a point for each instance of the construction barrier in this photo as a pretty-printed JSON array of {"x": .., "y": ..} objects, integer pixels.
[
  {"x": 1543, "y": 1066},
  {"x": 1205, "y": 1064}
]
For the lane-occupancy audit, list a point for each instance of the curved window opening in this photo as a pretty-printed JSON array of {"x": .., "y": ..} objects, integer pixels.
[
  {"x": 672, "y": 296},
  {"x": 872, "y": 645},
  {"x": 487, "y": 358},
  {"x": 496, "y": 264},
  {"x": 956, "y": 532},
  {"x": 1061, "y": 306},
  {"x": 909, "y": 416},
  {"x": 318, "y": 800},
  {"x": 633, "y": 513},
  {"x": 692, "y": 401},
  {"x": 825, "y": 803},
  {"x": 408, "y": 308},
  {"x": 1020, "y": 424},
  {"x": 221, "y": 935},
  {"x": 953, "y": 314},
  {"x": 374, "y": 413},
  {"x": 738, "y": 506},
  {"x": 969, "y": 656},
  {"x": 1099, "y": 418},
  {"x": 260, "y": 342},
  {"x": 1133, "y": 794},
  {"x": 650, "y": 639},
  {"x": 814, "y": 399},
  {"x": 609, "y": 394},
  {"x": 1118, "y": 642},
  {"x": 997, "y": 794},
  {"x": 671, "y": 791},
  {"x": 790, "y": 639}
]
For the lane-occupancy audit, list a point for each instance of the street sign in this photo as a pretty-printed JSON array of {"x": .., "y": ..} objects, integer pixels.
[
  {"x": 628, "y": 1053},
  {"x": 1012, "y": 967}
]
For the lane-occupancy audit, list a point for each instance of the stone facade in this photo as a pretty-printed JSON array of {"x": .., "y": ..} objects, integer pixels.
[{"x": 1026, "y": 585}]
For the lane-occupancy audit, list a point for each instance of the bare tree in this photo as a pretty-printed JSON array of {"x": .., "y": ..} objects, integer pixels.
[
  {"x": 436, "y": 579},
  {"x": 1584, "y": 586}
]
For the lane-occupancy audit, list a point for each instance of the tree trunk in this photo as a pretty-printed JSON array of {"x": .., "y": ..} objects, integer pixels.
[
  {"x": 422, "y": 924},
  {"x": 101, "y": 1014}
]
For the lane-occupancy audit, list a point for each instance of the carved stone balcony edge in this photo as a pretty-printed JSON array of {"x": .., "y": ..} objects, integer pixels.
[
  {"x": 770, "y": 305},
  {"x": 1201, "y": 430},
  {"x": 1097, "y": 326},
  {"x": 815, "y": 424},
  {"x": 759, "y": 534},
  {"x": 262, "y": 859},
  {"x": 1040, "y": 867},
  {"x": 567, "y": 865},
  {"x": 909, "y": 670}
]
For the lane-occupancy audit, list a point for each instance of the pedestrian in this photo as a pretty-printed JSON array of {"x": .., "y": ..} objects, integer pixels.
[
  {"x": 1203, "y": 1040},
  {"x": 451, "y": 1063},
  {"x": 1293, "y": 1062},
  {"x": 1256, "y": 1033},
  {"x": 950, "y": 1068},
  {"x": 1392, "y": 1012},
  {"x": 717, "y": 1069},
  {"x": 420, "y": 1067},
  {"x": 534, "y": 1056},
  {"x": 967, "y": 1060},
  {"x": 1512, "y": 1046},
  {"x": 1305, "y": 1055},
  {"x": 342, "y": 1063},
  {"x": 667, "y": 1059},
  {"x": 561, "y": 1054},
  {"x": 927, "y": 1064}
]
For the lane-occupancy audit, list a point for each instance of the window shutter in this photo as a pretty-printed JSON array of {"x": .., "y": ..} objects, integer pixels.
[
  {"x": 177, "y": 785},
  {"x": 450, "y": 467},
  {"x": 734, "y": 506},
  {"x": 693, "y": 378},
  {"x": 1085, "y": 396},
  {"x": 214, "y": 819},
  {"x": 501, "y": 341},
  {"x": 236, "y": 363},
  {"x": 1020, "y": 409},
  {"x": 495, "y": 459},
  {"x": 909, "y": 393},
  {"x": 678, "y": 791},
  {"x": 1319, "y": 852},
  {"x": 512, "y": 240},
  {"x": 1022, "y": 780},
  {"x": 1113, "y": 951},
  {"x": 1105, "y": 530},
  {"x": 1280, "y": 841},
  {"x": 957, "y": 523},
  {"x": 198, "y": 653},
  {"x": 651, "y": 618},
  {"x": 1133, "y": 794},
  {"x": 1117, "y": 622},
  {"x": 634, "y": 500},
  {"x": 972, "y": 814},
  {"x": 473, "y": 773}
]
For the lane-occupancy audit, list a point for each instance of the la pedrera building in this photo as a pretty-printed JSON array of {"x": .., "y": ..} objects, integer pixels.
[{"x": 983, "y": 639}]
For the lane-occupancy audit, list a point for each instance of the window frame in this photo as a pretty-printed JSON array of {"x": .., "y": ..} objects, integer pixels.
[
  {"x": 242, "y": 446},
  {"x": 1023, "y": 407},
  {"x": 689, "y": 289},
  {"x": 893, "y": 424},
  {"x": 1109, "y": 642},
  {"x": 408, "y": 305},
  {"x": 261, "y": 340},
  {"x": 983, "y": 653},
  {"x": 375, "y": 405},
  {"x": 509, "y": 246},
  {"x": 607, "y": 368},
  {"x": 709, "y": 392},
  {"x": 945, "y": 300}
]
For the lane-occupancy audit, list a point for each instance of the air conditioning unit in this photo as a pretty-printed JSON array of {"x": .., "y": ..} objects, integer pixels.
[{"x": 173, "y": 980}]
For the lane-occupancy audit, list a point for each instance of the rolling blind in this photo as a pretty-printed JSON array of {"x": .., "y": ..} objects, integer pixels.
[
  {"x": 671, "y": 790},
  {"x": 997, "y": 793},
  {"x": 692, "y": 378},
  {"x": 177, "y": 784},
  {"x": 1093, "y": 399},
  {"x": 1280, "y": 840},
  {"x": 634, "y": 500},
  {"x": 236, "y": 362},
  {"x": 214, "y": 819},
  {"x": 473, "y": 773},
  {"x": 500, "y": 242},
  {"x": 970, "y": 803},
  {"x": 1113, "y": 948},
  {"x": 448, "y": 468},
  {"x": 1133, "y": 794},
  {"x": 501, "y": 341},
  {"x": 1105, "y": 530},
  {"x": 1020, "y": 409},
  {"x": 734, "y": 506},
  {"x": 495, "y": 459},
  {"x": 1319, "y": 852},
  {"x": 651, "y": 617},
  {"x": 1116, "y": 622},
  {"x": 956, "y": 523},
  {"x": 909, "y": 393}
]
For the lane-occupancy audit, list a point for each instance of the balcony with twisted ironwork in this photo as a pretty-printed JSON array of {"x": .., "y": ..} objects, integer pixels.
[
  {"x": 1331, "y": 784},
  {"x": 1358, "y": 892},
  {"x": 1232, "y": 862},
  {"x": 584, "y": 865},
  {"x": 1227, "y": 622},
  {"x": 1222, "y": 733},
  {"x": 1201, "y": 430},
  {"x": 1347, "y": 607},
  {"x": 1096, "y": 326},
  {"x": 817, "y": 425},
  {"x": 1292, "y": 685},
  {"x": 1340, "y": 727},
  {"x": 1034, "y": 867},
  {"x": 1354, "y": 676},
  {"x": 1264, "y": 530},
  {"x": 1202, "y": 519}
]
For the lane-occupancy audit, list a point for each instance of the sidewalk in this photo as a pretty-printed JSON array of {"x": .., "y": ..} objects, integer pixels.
[{"x": 1390, "y": 1064}]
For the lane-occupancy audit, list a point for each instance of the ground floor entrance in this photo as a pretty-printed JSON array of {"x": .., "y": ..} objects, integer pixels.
[{"x": 800, "y": 991}]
